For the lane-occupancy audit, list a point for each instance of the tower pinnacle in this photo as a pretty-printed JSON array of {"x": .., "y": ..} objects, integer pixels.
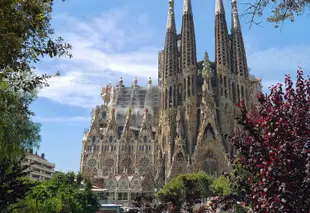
[
  {"x": 171, "y": 18},
  {"x": 239, "y": 59},
  {"x": 222, "y": 49},
  {"x": 219, "y": 7},
  {"x": 187, "y": 7},
  {"x": 170, "y": 65},
  {"x": 188, "y": 43},
  {"x": 235, "y": 16}
]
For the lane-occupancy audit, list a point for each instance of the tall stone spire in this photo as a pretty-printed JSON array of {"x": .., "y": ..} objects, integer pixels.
[
  {"x": 219, "y": 7},
  {"x": 189, "y": 71},
  {"x": 222, "y": 50},
  {"x": 235, "y": 16},
  {"x": 187, "y": 7},
  {"x": 239, "y": 60},
  {"x": 169, "y": 78},
  {"x": 171, "y": 17},
  {"x": 224, "y": 80},
  {"x": 188, "y": 45}
]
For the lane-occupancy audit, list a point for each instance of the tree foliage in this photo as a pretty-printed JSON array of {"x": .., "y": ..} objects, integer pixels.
[
  {"x": 64, "y": 193},
  {"x": 186, "y": 190},
  {"x": 17, "y": 130},
  {"x": 221, "y": 186},
  {"x": 274, "y": 149},
  {"x": 13, "y": 182},
  {"x": 26, "y": 36},
  {"x": 280, "y": 10}
]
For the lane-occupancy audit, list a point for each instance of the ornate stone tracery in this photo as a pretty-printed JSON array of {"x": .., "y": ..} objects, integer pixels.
[{"x": 141, "y": 137}]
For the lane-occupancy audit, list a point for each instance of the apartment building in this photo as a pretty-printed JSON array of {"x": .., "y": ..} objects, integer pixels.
[{"x": 40, "y": 168}]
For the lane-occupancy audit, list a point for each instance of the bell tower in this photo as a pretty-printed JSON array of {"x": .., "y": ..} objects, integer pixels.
[
  {"x": 189, "y": 71},
  {"x": 169, "y": 87}
]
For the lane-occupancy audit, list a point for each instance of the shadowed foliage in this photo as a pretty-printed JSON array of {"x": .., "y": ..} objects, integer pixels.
[
  {"x": 64, "y": 193},
  {"x": 13, "y": 182},
  {"x": 272, "y": 166},
  {"x": 280, "y": 10}
]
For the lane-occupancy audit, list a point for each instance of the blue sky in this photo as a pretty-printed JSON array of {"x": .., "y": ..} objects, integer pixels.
[{"x": 122, "y": 38}]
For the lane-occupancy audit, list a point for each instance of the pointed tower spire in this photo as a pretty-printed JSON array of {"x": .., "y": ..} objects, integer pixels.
[
  {"x": 171, "y": 17},
  {"x": 188, "y": 45},
  {"x": 235, "y": 16},
  {"x": 222, "y": 48},
  {"x": 239, "y": 61},
  {"x": 170, "y": 65},
  {"x": 189, "y": 70},
  {"x": 219, "y": 7},
  {"x": 187, "y": 7}
]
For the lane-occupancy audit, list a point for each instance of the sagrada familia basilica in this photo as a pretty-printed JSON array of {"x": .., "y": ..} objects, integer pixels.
[{"x": 141, "y": 137}]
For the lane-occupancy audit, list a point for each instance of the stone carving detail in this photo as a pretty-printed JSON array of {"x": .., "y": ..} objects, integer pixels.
[
  {"x": 106, "y": 94},
  {"x": 181, "y": 125}
]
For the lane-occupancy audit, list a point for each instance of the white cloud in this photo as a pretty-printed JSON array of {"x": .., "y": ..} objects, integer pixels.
[
  {"x": 274, "y": 63},
  {"x": 115, "y": 44},
  {"x": 120, "y": 43},
  {"x": 62, "y": 119}
]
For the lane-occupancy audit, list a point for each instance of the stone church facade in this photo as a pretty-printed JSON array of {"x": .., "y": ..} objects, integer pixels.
[{"x": 181, "y": 125}]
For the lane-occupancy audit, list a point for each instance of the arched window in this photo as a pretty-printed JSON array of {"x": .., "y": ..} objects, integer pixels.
[
  {"x": 93, "y": 138},
  {"x": 110, "y": 139},
  {"x": 145, "y": 139}
]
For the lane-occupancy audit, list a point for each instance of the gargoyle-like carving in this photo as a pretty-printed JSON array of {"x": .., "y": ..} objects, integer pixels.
[{"x": 106, "y": 94}]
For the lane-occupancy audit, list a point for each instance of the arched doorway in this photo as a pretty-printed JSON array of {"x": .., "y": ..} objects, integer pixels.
[{"x": 210, "y": 163}]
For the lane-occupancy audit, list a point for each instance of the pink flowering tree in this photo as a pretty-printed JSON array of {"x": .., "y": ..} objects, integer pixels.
[{"x": 273, "y": 149}]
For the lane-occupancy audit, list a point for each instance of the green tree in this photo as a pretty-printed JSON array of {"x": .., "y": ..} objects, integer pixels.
[
  {"x": 185, "y": 190},
  {"x": 221, "y": 186},
  {"x": 64, "y": 193},
  {"x": 26, "y": 36},
  {"x": 17, "y": 130},
  {"x": 13, "y": 182},
  {"x": 280, "y": 10}
]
